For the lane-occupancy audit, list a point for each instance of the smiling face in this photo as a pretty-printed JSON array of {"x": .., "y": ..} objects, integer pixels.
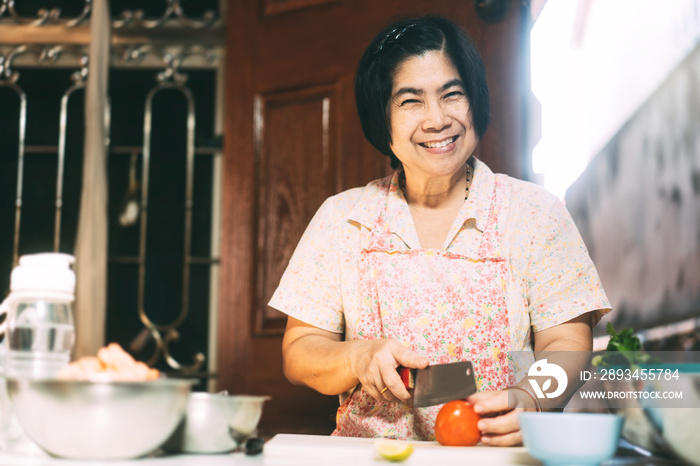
[{"x": 431, "y": 126}]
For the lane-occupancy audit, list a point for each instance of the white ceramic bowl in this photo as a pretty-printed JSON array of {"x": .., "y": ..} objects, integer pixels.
[
  {"x": 216, "y": 423},
  {"x": 570, "y": 438},
  {"x": 98, "y": 420}
]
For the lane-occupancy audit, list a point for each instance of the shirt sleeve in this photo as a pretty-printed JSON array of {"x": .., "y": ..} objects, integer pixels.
[
  {"x": 310, "y": 286},
  {"x": 562, "y": 280}
]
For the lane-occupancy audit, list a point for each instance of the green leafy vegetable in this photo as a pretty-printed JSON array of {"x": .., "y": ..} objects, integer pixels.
[
  {"x": 625, "y": 340},
  {"x": 624, "y": 349}
]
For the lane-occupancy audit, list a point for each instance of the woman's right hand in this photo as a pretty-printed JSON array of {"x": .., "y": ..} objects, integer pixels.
[
  {"x": 374, "y": 363},
  {"x": 323, "y": 361}
]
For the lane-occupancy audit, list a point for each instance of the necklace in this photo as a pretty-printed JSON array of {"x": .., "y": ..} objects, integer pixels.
[{"x": 470, "y": 176}]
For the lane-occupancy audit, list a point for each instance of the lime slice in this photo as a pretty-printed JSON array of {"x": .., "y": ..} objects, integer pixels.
[{"x": 393, "y": 450}]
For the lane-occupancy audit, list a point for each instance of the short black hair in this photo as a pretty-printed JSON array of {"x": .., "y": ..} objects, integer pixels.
[{"x": 409, "y": 38}]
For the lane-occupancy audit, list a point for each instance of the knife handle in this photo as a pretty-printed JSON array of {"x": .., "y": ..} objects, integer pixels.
[{"x": 408, "y": 377}]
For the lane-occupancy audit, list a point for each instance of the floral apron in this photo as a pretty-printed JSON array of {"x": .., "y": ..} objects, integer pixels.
[{"x": 445, "y": 306}]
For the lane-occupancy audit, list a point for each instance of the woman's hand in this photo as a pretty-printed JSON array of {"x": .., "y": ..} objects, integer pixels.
[
  {"x": 499, "y": 422},
  {"x": 321, "y": 360},
  {"x": 374, "y": 363}
]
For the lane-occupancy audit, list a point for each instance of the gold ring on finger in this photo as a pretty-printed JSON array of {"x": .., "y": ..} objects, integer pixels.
[{"x": 384, "y": 389}]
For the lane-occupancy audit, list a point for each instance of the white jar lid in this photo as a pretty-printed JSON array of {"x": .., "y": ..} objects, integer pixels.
[{"x": 50, "y": 271}]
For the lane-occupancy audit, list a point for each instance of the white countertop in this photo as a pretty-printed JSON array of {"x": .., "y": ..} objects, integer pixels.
[
  {"x": 158, "y": 459},
  {"x": 296, "y": 450},
  {"x": 314, "y": 450}
]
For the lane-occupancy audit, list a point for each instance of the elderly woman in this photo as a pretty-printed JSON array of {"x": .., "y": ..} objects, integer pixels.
[{"x": 443, "y": 261}]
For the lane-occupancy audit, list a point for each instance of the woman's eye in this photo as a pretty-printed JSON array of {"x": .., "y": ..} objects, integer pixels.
[
  {"x": 409, "y": 102},
  {"x": 454, "y": 94}
]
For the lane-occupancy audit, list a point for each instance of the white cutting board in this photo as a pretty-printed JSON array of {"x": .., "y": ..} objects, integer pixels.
[{"x": 292, "y": 449}]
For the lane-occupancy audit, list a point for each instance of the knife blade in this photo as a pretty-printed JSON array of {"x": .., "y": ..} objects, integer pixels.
[{"x": 439, "y": 383}]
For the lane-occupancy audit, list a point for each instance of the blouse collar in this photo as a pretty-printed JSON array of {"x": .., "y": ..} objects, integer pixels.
[{"x": 386, "y": 194}]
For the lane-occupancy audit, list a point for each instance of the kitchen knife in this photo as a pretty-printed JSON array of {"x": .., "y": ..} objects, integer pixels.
[{"x": 439, "y": 383}]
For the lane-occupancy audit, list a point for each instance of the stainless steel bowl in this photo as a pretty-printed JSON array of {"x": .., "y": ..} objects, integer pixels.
[
  {"x": 98, "y": 420},
  {"x": 666, "y": 428},
  {"x": 216, "y": 423}
]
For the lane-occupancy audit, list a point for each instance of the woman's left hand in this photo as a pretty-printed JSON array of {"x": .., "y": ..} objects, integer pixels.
[{"x": 499, "y": 423}]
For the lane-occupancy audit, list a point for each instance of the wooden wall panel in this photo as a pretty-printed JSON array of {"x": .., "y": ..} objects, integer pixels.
[
  {"x": 273, "y": 7},
  {"x": 294, "y": 137}
]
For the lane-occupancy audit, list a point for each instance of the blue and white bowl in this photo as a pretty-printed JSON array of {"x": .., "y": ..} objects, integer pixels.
[{"x": 580, "y": 439}]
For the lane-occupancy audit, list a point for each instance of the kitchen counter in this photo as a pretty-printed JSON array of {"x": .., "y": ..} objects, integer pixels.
[
  {"x": 312, "y": 450},
  {"x": 156, "y": 460}
]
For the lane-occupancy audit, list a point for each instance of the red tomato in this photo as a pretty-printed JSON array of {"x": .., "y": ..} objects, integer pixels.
[{"x": 455, "y": 425}]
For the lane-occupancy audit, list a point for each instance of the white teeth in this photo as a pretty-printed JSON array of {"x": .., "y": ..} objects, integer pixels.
[{"x": 434, "y": 145}]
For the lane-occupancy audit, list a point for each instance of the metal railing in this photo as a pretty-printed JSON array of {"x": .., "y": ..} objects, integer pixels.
[
  {"x": 125, "y": 52},
  {"x": 173, "y": 12}
]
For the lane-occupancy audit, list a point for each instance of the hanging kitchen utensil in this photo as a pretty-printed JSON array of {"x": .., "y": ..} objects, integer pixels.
[{"x": 129, "y": 212}]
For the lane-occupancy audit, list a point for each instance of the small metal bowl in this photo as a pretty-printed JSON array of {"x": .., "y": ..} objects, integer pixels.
[
  {"x": 216, "y": 423},
  {"x": 98, "y": 420}
]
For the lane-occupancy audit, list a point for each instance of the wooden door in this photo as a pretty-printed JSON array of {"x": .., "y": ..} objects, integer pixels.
[{"x": 292, "y": 138}]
